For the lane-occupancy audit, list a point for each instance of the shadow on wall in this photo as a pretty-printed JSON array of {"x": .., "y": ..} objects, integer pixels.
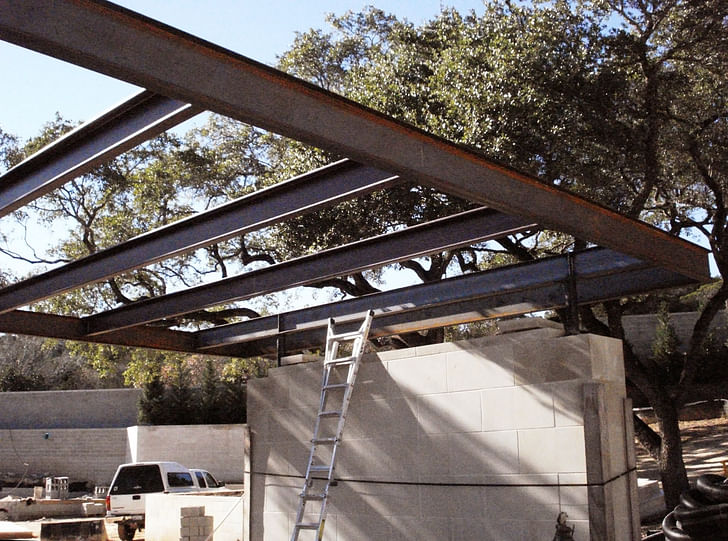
[{"x": 474, "y": 440}]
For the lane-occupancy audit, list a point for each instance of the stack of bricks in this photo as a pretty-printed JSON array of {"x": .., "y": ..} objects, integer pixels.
[{"x": 194, "y": 525}]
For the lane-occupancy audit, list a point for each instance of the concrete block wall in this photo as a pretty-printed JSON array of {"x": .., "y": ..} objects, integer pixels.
[
  {"x": 219, "y": 449},
  {"x": 93, "y": 454},
  {"x": 90, "y": 454},
  {"x": 482, "y": 440},
  {"x": 90, "y": 408}
]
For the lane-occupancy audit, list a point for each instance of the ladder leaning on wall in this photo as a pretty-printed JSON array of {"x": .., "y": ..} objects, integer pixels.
[{"x": 340, "y": 368}]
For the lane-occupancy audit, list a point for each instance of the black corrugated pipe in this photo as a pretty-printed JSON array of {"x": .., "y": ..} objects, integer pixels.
[{"x": 702, "y": 514}]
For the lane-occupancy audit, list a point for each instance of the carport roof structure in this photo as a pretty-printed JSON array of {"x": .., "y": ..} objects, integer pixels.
[{"x": 184, "y": 76}]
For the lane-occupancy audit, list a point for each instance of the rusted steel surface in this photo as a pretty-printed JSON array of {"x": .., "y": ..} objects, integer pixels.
[
  {"x": 95, "y": 142},
  {"x": 455, "y": 231},
  {"x": 136, "y": 49},
  {"x": 305, "y": 193},
  {"x": 73, "y": 328},
  {"x": 535, "y": 286}
]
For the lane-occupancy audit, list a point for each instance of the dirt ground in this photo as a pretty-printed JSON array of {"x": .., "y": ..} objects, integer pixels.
[{"x": 705, "y": 447}]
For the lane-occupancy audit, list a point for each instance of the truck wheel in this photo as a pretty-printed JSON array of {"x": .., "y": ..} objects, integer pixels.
[{"x": 126, "y": 532}]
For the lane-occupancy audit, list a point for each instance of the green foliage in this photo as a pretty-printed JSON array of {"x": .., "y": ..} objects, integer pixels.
[
  {"x": 152, "y": 406},
  {"x": 34, "y": 364}
]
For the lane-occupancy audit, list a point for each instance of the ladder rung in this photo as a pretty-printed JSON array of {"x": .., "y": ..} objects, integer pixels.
[
  {"x": 319, "y": 467},
  {"x": 307, "y": 525},
  {"x": 340, "y": 360},
  {"x": 332, "y": 413},
  {"x": 335, "y": 386},
  {"x": 314, "y": 497},
  {"x": 353, "y": 335},
  {"x": 317, "y": 441}
]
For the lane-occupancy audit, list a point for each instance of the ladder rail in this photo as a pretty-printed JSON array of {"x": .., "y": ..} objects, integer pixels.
[{"x": 331, "y": 364}]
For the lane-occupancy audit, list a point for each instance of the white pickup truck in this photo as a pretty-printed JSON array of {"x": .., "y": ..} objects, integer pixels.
[{"x": 132, "y": 482}]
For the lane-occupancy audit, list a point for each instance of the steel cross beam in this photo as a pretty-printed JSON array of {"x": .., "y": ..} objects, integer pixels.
[
  {"x": 325, "y": 186},
  {"x": 463, "y": 229},
  {"x": 117, "y": 42},
  {"x": 538, "y": 285},
  {"x": 506, "y": 291},
  {"x": 142, "y": 117},
  {"x": 73, "y": 328}
]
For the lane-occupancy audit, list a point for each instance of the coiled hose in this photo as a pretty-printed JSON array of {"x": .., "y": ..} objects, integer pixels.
[{"x": 702, "y": 514}]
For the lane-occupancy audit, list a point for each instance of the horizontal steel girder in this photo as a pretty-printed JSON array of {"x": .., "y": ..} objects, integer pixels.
[
  {"x": 73, "y": 328},
  {"x": 117, "y": 42},
  {"x": 540, "y": 285},
  {"x": 460, "y": 230},
  {"x": 313, "y": 190},
  {"x": 91, "y": 144},
  {"x": 601, "y": 274}
]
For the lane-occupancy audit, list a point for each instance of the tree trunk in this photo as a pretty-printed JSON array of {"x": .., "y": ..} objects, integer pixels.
[{"x": 670, "y": 463}]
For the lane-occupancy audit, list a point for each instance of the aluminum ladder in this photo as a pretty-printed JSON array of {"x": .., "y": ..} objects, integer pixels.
[{"x": 339, "y": 374}]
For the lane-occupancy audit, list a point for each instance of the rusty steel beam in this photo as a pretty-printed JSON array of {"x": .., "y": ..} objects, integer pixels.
[
  {"x": 507, "y": 291},
  {"x": 540, "y": 285},
  {"x": 325, "y": 186},
  {"x": 463, "y": 229},
  {"x": 141, "y": 117},
  {"x": 120, "y": 43},
  {"x": 73, "y": 328}
]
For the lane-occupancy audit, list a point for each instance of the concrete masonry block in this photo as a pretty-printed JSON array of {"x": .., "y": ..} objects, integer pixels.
[
  {"x": 469, "y": 369},
  {"x": 276, "y": 525},
  {"x": 518, "y": 407},
  {"x": 189, "y": 512},
  {"x": 483, "y": 453},
  {"x": 385, "y": 459},
  {"x": 608, "y": 356},
  {"x": 426, "y": 375},
  {"x": 361, "y": 526},
  {"x": 433, "y": 452},
  {"x": 457, "y": 502},
  {"x": 382, "y": 417},
  {"x": 568, "y": 399},
  {"x": 392, "y": 355},
  {"x": 525, "y": 503},
  {"x": 533, "y": 406},
  {"x": 281, "y": 494},
  {"x": 383, "y": 500},
  {"x": 434, "y": 349},
  {"x": 559, "y": 359},
  {"x": 372, "y": 382},
  {"x": 573, "y": 490},
  {"x": 419, "y": 528},
  {"x": 552, "y": 450},
  {"x": 498, "y": 409},
  {"x": 305, "y": 385},
  {"x": 450, "y": 412},
  {"x": 293, "y": 424},
  {"x": 270, "y": 392}
]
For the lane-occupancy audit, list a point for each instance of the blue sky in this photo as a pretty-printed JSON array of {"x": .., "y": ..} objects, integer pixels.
[{"x": 35, "y": 87}]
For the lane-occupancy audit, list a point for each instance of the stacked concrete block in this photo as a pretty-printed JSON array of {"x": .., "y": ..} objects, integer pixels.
[
  {"x": 482, "y": 440},
  {"x": 194, "y": 525}
]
